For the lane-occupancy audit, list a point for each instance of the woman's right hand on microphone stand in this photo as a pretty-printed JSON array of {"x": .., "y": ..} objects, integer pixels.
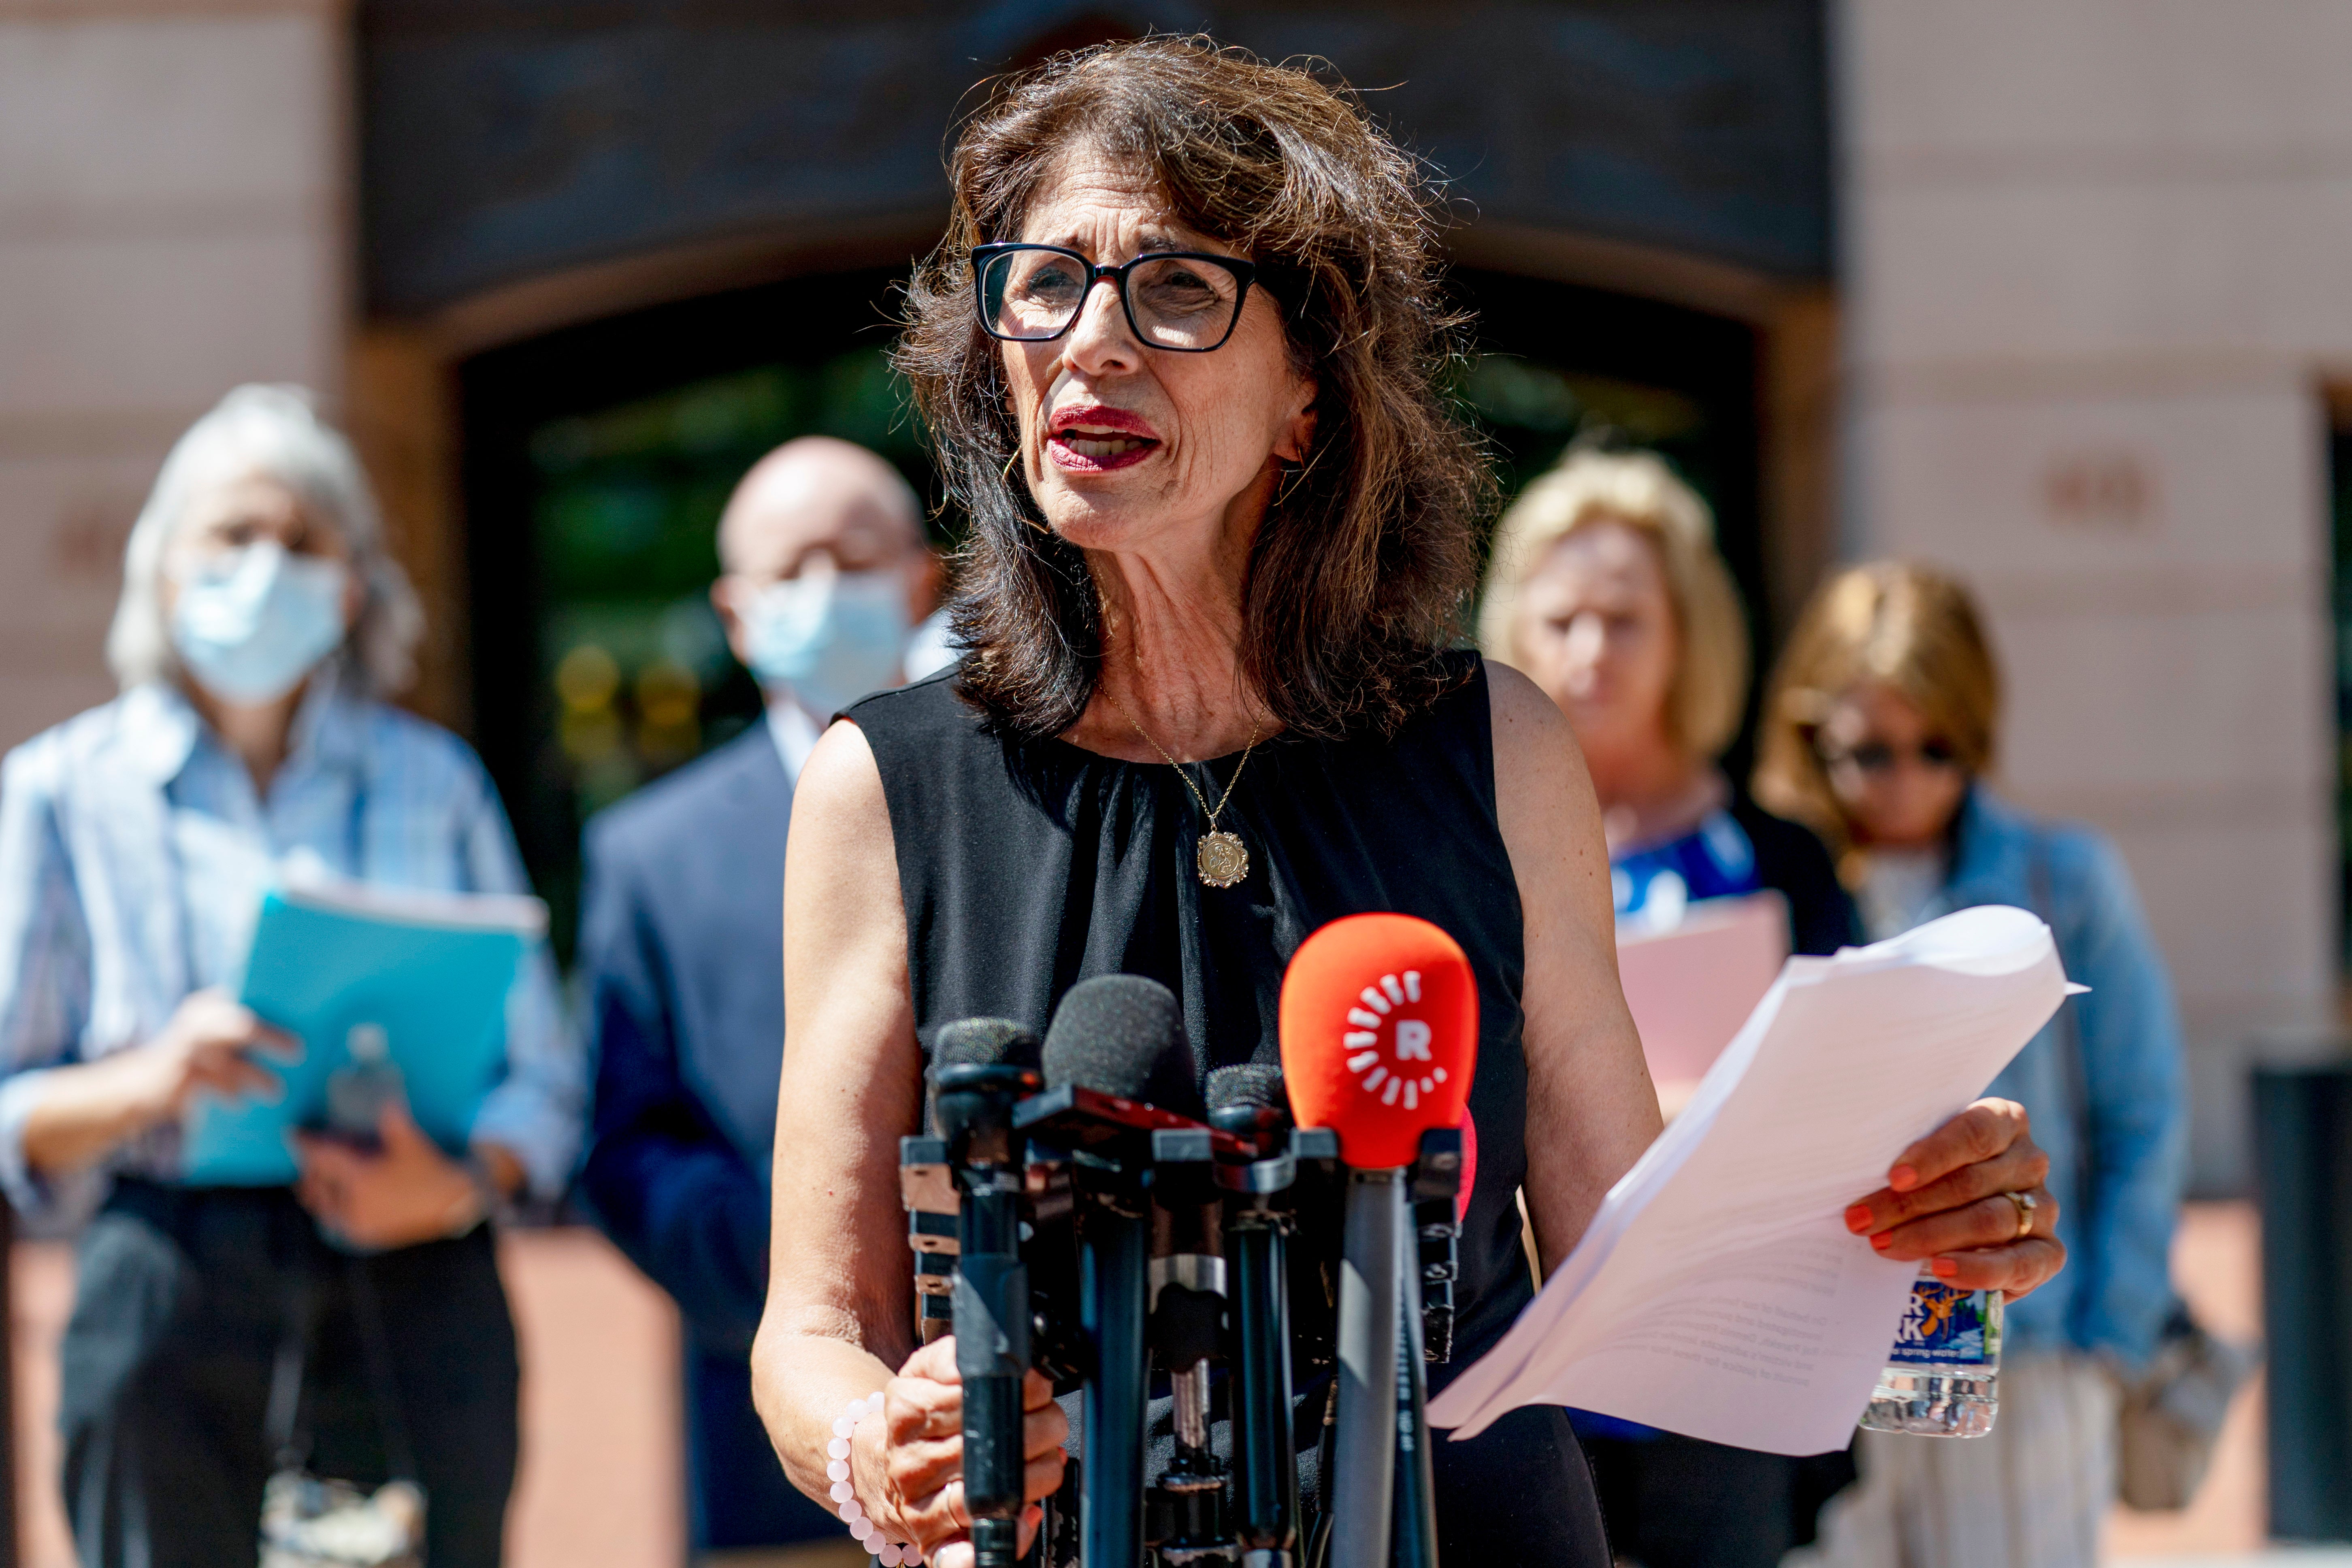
[{"x": 908, "y": 1465}]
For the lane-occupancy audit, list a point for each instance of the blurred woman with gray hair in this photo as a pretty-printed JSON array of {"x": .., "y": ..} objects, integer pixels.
[{"x": 261, "y": 625}]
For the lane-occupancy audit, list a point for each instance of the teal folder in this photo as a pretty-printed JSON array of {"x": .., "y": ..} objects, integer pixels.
[{"x": 432, "y": 970}]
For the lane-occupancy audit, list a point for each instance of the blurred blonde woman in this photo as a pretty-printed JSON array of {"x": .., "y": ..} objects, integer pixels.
[
  {"x": 1606, "y": 588},
  {"x": 1879, "y": 732}
]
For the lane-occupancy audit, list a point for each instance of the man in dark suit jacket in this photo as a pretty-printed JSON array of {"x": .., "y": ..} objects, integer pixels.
[{"x": 681, "y": 945}]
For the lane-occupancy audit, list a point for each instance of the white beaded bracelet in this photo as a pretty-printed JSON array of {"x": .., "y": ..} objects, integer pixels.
[{"x": 862, "y": 1528}]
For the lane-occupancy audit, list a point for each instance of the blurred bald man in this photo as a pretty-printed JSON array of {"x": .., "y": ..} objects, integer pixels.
[{"x": 824, "y": 571}]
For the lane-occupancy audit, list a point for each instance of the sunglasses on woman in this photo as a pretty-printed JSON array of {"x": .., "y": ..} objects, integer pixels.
[{"x": 1879, "y": 757}]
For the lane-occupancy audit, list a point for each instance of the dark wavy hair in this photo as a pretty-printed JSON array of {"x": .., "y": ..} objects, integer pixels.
[{"x": 1361, "y": 573}]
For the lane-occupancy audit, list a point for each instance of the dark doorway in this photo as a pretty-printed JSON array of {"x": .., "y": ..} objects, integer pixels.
[{"x": 597, "y": 460}]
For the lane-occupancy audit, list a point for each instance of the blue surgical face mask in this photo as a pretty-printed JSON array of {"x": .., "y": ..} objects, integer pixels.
[
  {"x": 832, "y": 636},
  {"x": 251, "y": 623}
]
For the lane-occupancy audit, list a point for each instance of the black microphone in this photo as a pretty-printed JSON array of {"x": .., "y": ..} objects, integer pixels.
[
  {"x": 985, "y": 1065},
  {"x": 926, "y": 1187},
  {"x": 1247, "y": 1103},
  {"x": 1116, "y": 1041}
]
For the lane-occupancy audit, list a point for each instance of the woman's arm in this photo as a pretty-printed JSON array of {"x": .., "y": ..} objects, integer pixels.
[
  {"x": 529, "y": 1128},
  {"x": 2137, "y": 1118},
  {"x": 82, "y": 1110},
  {"x": 58, "y": 1116},
  {"x": 1591, "y": 1108},
  {"x": 840, "y": 1280}
]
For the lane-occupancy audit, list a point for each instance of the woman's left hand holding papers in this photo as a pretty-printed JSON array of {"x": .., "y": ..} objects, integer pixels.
[
  {"x": 1947, "y": 1201},
  {"x": 404, "y": 1192}
]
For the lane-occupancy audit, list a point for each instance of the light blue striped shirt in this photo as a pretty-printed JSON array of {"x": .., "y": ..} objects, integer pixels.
[{"x": 134, "y": 852}]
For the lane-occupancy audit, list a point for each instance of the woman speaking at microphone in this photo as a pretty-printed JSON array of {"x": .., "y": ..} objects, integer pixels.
[{"x": 1178, "y": 354}]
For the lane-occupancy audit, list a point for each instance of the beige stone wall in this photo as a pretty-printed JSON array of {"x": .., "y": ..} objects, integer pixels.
[
  {"x": 171, "y": 223},
  {"x": 2099, "y": 260},
  {"x": 2096, "y": 275}
]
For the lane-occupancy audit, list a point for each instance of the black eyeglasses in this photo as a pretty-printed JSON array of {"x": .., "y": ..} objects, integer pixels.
[
  {"x": 1880, "y": 757},
  {"x": 1185, "y": 301}
]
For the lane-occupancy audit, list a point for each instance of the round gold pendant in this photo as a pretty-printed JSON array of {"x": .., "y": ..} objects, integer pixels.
[{"x": 1222, "y": 858}]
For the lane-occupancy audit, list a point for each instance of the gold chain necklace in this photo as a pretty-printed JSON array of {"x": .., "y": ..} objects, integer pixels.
[{"x": 1221, "y": 859}]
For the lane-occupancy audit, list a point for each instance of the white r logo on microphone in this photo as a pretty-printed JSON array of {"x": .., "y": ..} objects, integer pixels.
[{"x": 1410, "y": 1040}]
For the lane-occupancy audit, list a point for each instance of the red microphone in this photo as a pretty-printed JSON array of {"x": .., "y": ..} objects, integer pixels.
[
  {"x": 1380, "y": 1037},
  {"x": 1380, "y": 1034}
]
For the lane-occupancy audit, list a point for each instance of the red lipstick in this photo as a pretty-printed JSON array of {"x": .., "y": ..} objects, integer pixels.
[{"x": 1095, "y": 438}]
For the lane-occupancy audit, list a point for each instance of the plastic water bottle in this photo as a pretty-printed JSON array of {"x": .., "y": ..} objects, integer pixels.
[
  {"x": 358, "y": 1091},
  {"x": 1943, "y": 1376}
]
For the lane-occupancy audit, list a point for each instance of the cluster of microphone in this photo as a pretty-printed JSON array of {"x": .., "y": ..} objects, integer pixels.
[{"x": 1065, "y": 1220}]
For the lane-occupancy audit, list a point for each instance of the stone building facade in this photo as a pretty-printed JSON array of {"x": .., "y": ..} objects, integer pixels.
[
  {"x": 2095, "y": 263},
  {"x": 2073, "y": 331}
]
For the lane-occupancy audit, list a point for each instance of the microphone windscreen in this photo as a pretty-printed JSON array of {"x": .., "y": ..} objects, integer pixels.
[
  {"x": 1254, "y": 1084},
  {"x": 984, "y": 1042},
  {"x": 1122, "y": 1034},
  {"x": 1380, "y": 1034}
]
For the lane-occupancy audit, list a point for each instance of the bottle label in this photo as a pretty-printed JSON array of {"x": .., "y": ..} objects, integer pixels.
[{"x": 1946, "y": 1326}]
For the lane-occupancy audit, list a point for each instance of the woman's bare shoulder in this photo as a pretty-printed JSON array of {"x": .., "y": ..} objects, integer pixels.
[
  {"x": 1537, "y": 769},
  {"x": 840, "y": 786},
  {"x": 1521, "y": 708},
  {"x": 841, "y": 865}
]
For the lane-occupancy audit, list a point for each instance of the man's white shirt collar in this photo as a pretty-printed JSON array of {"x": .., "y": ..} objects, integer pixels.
[{"x": 795, "y": 733}]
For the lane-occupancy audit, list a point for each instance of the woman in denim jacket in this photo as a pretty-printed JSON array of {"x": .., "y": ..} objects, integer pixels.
[{"x": 1878, "y": 733}]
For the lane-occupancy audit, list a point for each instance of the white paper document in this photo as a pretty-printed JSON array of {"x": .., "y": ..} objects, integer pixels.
[
  {"x": 1691, "y": 988},
  {"x": 1718, "y": 1293}
]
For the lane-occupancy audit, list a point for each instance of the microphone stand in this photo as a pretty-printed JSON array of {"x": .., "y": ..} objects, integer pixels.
[
  {"x": 926, "y": 1189},
  {"x": 992, "y": 1309},
  {"x": 1257, "y": 1232},
  {"x": 1114, "y": 1150},
  {"x": 1184, "y": 1513},
  {"x": 1414, "y": 1527},
  {"x": 1436, "y": 1179},
  {"x": 1363, "y": 1480},
  {"x": 1114, "y": 1262},
  {"x": 1107, "y": 1142}
]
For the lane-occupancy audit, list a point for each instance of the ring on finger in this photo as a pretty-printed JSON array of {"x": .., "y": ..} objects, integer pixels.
[{"x": 2026, "y": 1203}]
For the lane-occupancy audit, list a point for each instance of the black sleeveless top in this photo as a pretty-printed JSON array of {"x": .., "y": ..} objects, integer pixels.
[{"x": 1030, "y": 866}]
